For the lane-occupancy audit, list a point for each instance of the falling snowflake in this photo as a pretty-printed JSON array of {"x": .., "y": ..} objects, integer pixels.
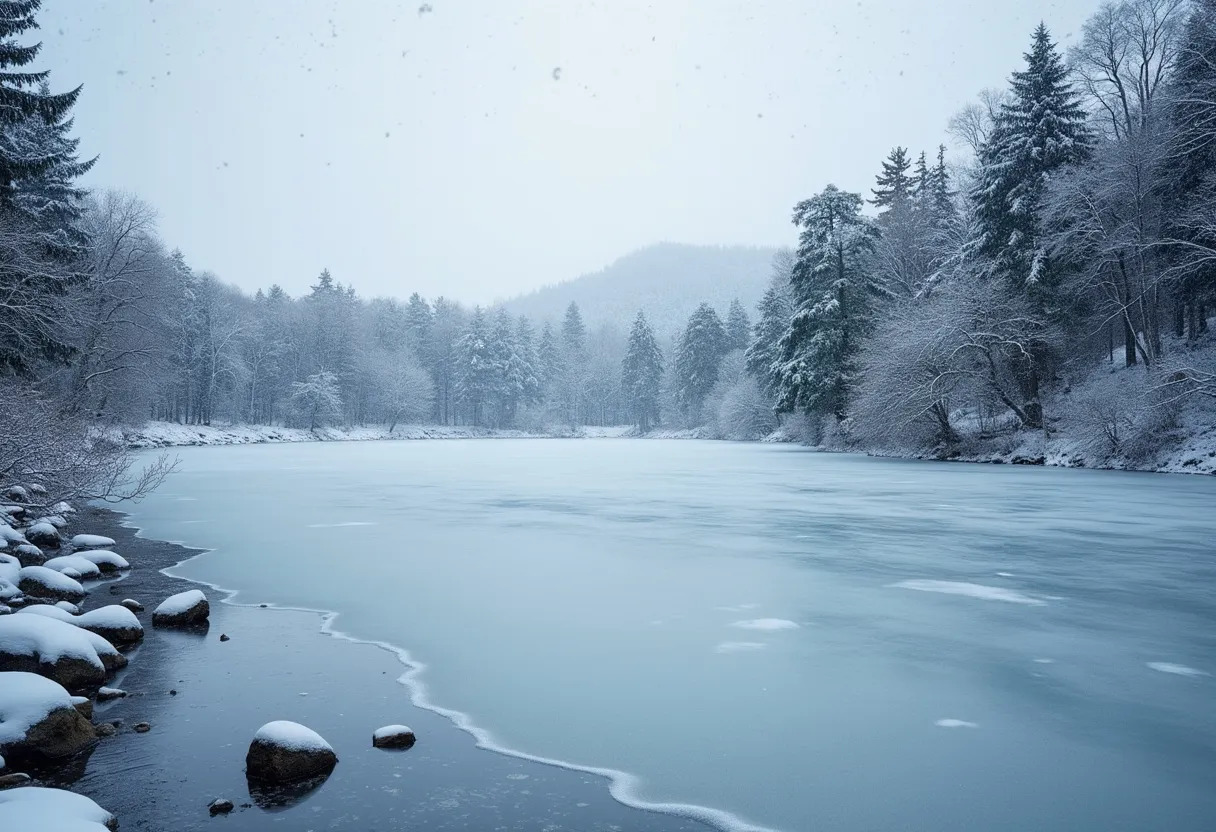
[{"x": 557, "y": 73}]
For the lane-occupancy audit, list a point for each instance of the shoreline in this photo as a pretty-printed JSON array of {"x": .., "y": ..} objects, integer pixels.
[{"x": 581, "y": 789}]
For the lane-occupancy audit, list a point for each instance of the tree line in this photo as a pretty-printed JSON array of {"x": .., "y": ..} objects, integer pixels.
[{"x": 988, "y": 294}]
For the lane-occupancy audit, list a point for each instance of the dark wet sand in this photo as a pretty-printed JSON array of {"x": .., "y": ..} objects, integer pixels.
[{"x": 278, "y": 665}]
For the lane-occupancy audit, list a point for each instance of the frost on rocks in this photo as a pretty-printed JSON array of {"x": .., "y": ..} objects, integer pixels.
[
  {"x": 75, "y": 658},
  {"x": 82, "y": 566},
  {"x": 105, "y": 560},
  {"x": 284, "y": 751},
  {"x": 63, "y": 508},
  {"x": 40, "y": 582},
  {"x": 38, "y": 717},
  {"x": 91, "y": 541},
  {"x": 184, "y": 608},
  {"x": 115, "y": 623},
  {"x": 37, "y": 808},
  {"x": 55, "y": 520}
]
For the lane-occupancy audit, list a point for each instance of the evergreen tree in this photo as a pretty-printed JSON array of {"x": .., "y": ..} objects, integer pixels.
[
  {"x": 895, "y": 187},
  {"x": 642, "y": 375},
  {"x": 446, "y": 330},
  {"x": 738, "y": 326},
  {"x": 698, "y": 356},
  {"x": 418, "y": 320},
  {"x": 478, "y": 369},
  {"x": 572, "y": 385},
  {"x": 776, "y": 309},
  {"x": 525, "y": 348},
  {"x": 22, "y": 97},
  {"x": 514, "y": 375},
  {"x": 1040, "y": 130},
  {"x": 816, "y": 357},
  {"x": 548, "y": 360},
  {"x": 940, "y": 197},
  {"x": 921, "y": 180},
  {"x": 574, "y": 331}
]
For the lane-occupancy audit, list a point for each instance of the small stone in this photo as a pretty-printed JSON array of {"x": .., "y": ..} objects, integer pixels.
[
  {"x": 224, "y": 637},
  {"x": 172, "y": 692},
  {"x": 393, "y": 736},
  {"x": 220, "y": 806},
  {"x": 263, "y": 606},
  {"x": 9, "y": 781},
  {"x": 83, "y": 705},
  {"x": 106, "y": 694},
  {"x": 132, "y": 604},
  {"x": 105, "y": 729},
  {"x": 141, "y": 727}
]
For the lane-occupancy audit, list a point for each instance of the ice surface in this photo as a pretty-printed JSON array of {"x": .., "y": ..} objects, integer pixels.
[
  {"x": 25, "y": 700},
  {"x": 987, "y": 593},
  {"x": 293, "y": 735},
  {"x": 179, "y": 603},
  {"x": 766, "y": 624},
  {"x": 739, "y": 646},
  {"x": 51, "y": 810},
  {"x": 92, "y": 541}
]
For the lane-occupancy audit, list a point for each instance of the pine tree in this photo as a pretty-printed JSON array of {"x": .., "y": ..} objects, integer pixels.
[
  {"x": 525, "y": 348},
  {"x": 776, "y": 309},
  {"x": 477, "y": 372},
  {"x": 1039, "y": 131},
  {"x": 418, "y": 321},
  {"x": 895, "y": 187},
  {"x": 571, "y": 390},
  {"x": 940, "y": 196},
  {"x": 514, "y": 376},
  {"x": 642, "y": 374},
  {"x": 698, "y": 355},
  {"x": 738, "y": 326},
  {"x": 574, "y": 332},
  {"x": 548, "y": 360},
  {"x": 922, "y": 180},
  {"x": 22, "y": 96},
  {"x": 816, "y": 358}
]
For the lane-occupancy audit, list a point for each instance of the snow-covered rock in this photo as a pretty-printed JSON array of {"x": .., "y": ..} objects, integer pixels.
[
  {"x": 67, "y": 606},
  {"x": 114, "y": 623},
  {"x": 10, "y": 576},
  {"x": 283, "y": 751},
  {"x": 132, "y": 604},
  {"x": 38, "y": 717},
  {"x": 75, "y": 658},
  {"x": 393, "y": 736},
  {"x": 105, "y": 694},
  {"x": 105, "y": 560},
  {"x": 92, "y": 541},
  {"x": 43, "y": 534},
  {"x": 53, "y": 810},
  {"x": 11, "y": 535},
  {"x": 17, "y": 493},
  {"x": 29, "y": 554},
  {"x": 84, "y": 705},
  {"x": 82, "y": 566},
  {"x": 55, "y": 520},
  {"x": 63, "y": 508},
  {"x": 40, "y": 582},
  {"x": 182, "y": 609}
]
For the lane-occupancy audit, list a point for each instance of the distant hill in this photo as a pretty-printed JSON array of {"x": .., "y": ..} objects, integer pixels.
[{"x": 667, "y": 280}]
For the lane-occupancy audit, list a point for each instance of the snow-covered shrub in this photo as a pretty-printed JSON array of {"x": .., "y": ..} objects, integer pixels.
[{"x": 737, "y": 408}]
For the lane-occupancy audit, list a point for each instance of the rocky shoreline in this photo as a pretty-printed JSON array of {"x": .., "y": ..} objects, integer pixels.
[{"x": 172, "y": 752}]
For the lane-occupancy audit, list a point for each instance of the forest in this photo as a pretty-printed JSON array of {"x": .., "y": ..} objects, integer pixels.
[{"x": 1048, "y": 269}]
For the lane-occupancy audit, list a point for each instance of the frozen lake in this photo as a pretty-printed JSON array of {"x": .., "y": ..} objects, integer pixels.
[{"x": 794, "y": 640}]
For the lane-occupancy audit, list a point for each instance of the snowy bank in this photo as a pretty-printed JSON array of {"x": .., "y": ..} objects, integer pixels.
[{"x": 164, "y": 434}]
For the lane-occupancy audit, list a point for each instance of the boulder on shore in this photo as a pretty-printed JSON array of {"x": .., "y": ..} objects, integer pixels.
[
  {"x": 182, "y": 610},
  {"x": 35, "y": 807},
  {"x": 117, "y": 625},
  {"x": 393, "y": 736},
  {"x": 282, "y": 752},
  {"x": 92, "y": 541},
  {"x": 39, "y": 718},
  {"x": 75, "y": 658},
  {"x": 43, "y": 533},
  {"x": 40, "y": 582}
]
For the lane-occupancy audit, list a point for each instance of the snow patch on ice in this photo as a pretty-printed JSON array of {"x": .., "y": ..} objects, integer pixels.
[
  {"x": 955, "y": 723},
  {"x": 766, "y": 624},
  {"x": 341, "y": 525},
  {"x": 986, "y": 593},
  {"x": 1177, "y": 669},
  {"x": 739, "y": 646},
  {"x": 293, "y": 735}
]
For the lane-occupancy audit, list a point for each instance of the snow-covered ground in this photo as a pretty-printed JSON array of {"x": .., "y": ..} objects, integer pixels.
[{"x": 163, "y": 434}]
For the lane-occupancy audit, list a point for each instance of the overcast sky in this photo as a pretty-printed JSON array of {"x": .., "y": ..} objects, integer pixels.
[{"x": 484, "y": 148}]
